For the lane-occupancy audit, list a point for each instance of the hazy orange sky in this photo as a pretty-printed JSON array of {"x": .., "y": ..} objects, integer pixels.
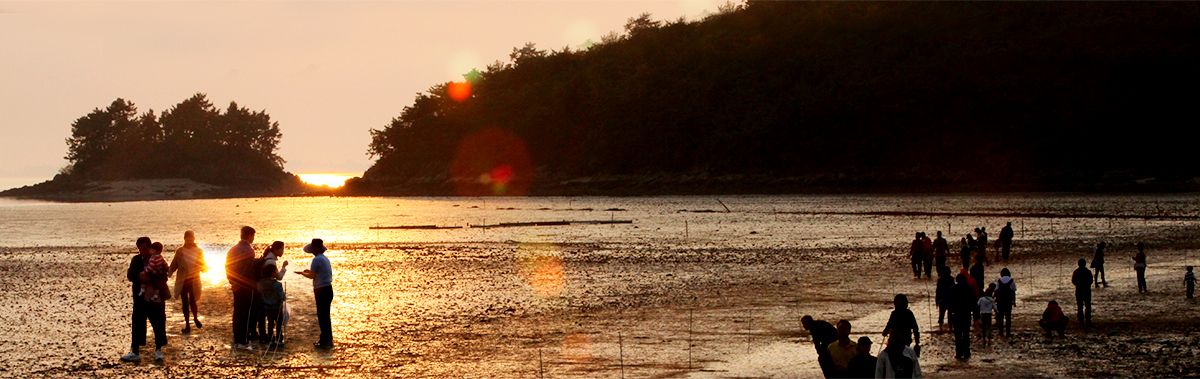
[{"x": 326, "y": 71}]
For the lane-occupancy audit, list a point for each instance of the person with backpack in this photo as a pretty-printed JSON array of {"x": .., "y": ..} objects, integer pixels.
[
  {"x": 1006, "y": 298},
  {"x": 902, "y": 320},
  {"x": 897, "y": 360}
]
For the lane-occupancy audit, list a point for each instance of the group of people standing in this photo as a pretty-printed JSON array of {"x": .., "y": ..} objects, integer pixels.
[
  {"x": 927, "y": 254},
  {"x": 259, "y": 301}
]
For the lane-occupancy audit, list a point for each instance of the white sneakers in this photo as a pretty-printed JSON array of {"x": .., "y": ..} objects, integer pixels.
[
  {"x": 157, "y": 354},
  {"x": 131, "y": 357}
]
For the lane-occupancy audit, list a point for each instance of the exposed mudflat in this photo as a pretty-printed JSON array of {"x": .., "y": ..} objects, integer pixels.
[{"x": 451, "y": 310}]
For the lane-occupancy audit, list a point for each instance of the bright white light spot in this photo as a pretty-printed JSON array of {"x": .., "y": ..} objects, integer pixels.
[
  {"x": 331, "y": 180},
  {"x": 580, "y": 32}
]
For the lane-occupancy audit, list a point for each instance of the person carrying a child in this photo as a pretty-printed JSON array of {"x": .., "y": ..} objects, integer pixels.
[{"x": 139, "y": 273}]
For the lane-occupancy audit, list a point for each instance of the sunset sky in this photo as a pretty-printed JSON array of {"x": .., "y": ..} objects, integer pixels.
[{"x": 326, "y": 71}]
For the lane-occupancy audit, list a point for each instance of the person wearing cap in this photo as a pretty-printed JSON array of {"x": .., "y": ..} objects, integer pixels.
[
  {"x": 322, "y": 276},
  {"x": 863, "y": 364}
]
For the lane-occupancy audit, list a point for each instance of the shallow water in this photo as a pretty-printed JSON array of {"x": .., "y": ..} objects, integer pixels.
[{"x": 688, "y": 288}]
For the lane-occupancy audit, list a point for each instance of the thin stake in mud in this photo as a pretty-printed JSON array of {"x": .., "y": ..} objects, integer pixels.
[
  {"x": 621, "y": 354},
  {"x": 749, "y": 322},
  {"x": 690, "y": 311},
  {"x": 541, "y": 366}
]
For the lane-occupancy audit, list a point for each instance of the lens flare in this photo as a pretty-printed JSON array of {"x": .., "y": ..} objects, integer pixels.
[
  {"x": 459, "y": 91},
  {"x": 491, "y": 162},
  {"x": 577, "y": 347},
  {"x": 547, "y": 278}
]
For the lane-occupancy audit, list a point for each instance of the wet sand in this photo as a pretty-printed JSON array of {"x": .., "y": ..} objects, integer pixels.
[{"x": 601, "y": 310}]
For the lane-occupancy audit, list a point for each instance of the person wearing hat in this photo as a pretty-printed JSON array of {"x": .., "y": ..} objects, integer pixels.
[
  {"x": 322, "y": 275},
  {"x": 863, "y": 364}
]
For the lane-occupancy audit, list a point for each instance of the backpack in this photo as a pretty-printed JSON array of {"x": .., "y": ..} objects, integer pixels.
[
  {"x": 901, "y": 365},
  {"x": 1004, "y": 294}
]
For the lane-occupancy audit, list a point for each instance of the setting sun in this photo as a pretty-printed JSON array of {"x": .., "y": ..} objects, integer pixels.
[{"x": 331, "y": 180}]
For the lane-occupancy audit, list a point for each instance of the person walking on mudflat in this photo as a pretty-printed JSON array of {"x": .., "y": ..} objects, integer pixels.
[
  {"x": 902, "y": 320},
  {"x": 188, "y": 263},
  {"x": 321, "y": 274},
  {"x": 981, "y": 243},
  {"x": 1139, "y": 265},
  {"x": 941, "y": 249},
  {"x": 961, "y": 300},
  {"x": 968, "y": 247},
  {"x": 1098, "y": 265},
  {"x": 916, "y": 254},
  {"x": 144, "y": 308},
  {"x": 927, "y": 254},
  {"x": 1006, "y": 298},
  {"x": 239, "y": 262},
  {"x": 1006, "y": 239},
  {"x": 1082, "y": 279}
]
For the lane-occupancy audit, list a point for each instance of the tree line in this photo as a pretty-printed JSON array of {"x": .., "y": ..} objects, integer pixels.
[
  {"x": 193, "y": 139},
  {"x": 791, "y": 96}
]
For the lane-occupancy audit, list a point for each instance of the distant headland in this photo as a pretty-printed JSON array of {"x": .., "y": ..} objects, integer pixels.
[{"x": 766, "y": 97}]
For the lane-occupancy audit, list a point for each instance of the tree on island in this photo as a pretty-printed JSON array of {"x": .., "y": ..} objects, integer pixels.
[
  {"x": 843, "y": 95},
  {"x": 192, "y": 139}
]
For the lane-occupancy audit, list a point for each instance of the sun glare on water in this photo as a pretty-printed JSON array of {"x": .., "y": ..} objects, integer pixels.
[{"x": 331, "y": 180}]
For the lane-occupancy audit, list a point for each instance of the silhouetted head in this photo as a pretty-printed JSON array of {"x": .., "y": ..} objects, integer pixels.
[
  {"x": 248, "y": 234},
  {"x": 943, "y": 271},
  {"x": 991, "y": 289},
  {"x": 1082, "y": 262},
  {"x": 143, "y": 245},
  {"x": 1141, "y": 246},
  {"x": 1008, "y": 224},
  {"x": 806, "y": 321},
  {"x": 939, "y": 234},
  {"x": 269, "y": 271},
  {"x": 843, "y": 329},
  {"x": 317, "y": 247},
  {"x": 961, "y": 279},
  {"x": 1101, "y": 245},
  {"x": 864, "y": 345},
  {"x": 976, "y": 230},
  {"x": 189, "y": 237},
  {"x": 1189, "y": 268},
  {"x": 918, "y": 235},
  {"x": 1052, "y": 304},
  {"x": 277, "y": 248},
  {"x": 900, "y": 301},
  {"x": 1005, "y": 272}
]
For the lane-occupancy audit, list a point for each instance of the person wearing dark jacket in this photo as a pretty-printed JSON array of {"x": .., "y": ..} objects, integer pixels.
[
  {"x": 863, "y": 364},
  {"x": 964, "y": 252},
  {"x": 1082, "y": 279},
  {"x": 144, "y": 309},
  {"x": 961, "y": 301},
  {"x": 242, "y": 276},
  {"x": 1053, "y": 319},
  {"x": 1006, "y": 238},
  {"x": 822, "y": 334},
  {"x": 941, "y": 249},
  {"x": 902, "y": 320},
  {"x": 944, "y": 282},
  {"x": 1098, "y": 264},
  {"x": 916, "y": 254}
]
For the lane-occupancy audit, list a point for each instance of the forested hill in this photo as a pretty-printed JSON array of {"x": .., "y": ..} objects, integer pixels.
[
  {"x": 192, "y": 150},
  {"x": 822, "y": 96}
]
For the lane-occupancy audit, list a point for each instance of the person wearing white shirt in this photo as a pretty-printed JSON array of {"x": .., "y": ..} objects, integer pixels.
[{"x": 322, "y": 275}]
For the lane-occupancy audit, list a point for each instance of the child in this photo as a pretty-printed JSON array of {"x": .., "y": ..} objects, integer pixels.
[
  {"x": 1190, "y": 279},
  {"x": 156, "y": 265},
  {"x": 986, "y": 306},
  {"x": 272, "y": 301}
]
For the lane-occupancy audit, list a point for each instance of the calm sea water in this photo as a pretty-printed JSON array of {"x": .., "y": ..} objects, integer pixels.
[{"x": 737, "y": 221}]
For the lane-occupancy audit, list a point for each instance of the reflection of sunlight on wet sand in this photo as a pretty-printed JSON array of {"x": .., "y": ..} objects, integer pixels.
[
  {"x": 543, "y": 268},
  {"x": 215, "y": 258}
]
